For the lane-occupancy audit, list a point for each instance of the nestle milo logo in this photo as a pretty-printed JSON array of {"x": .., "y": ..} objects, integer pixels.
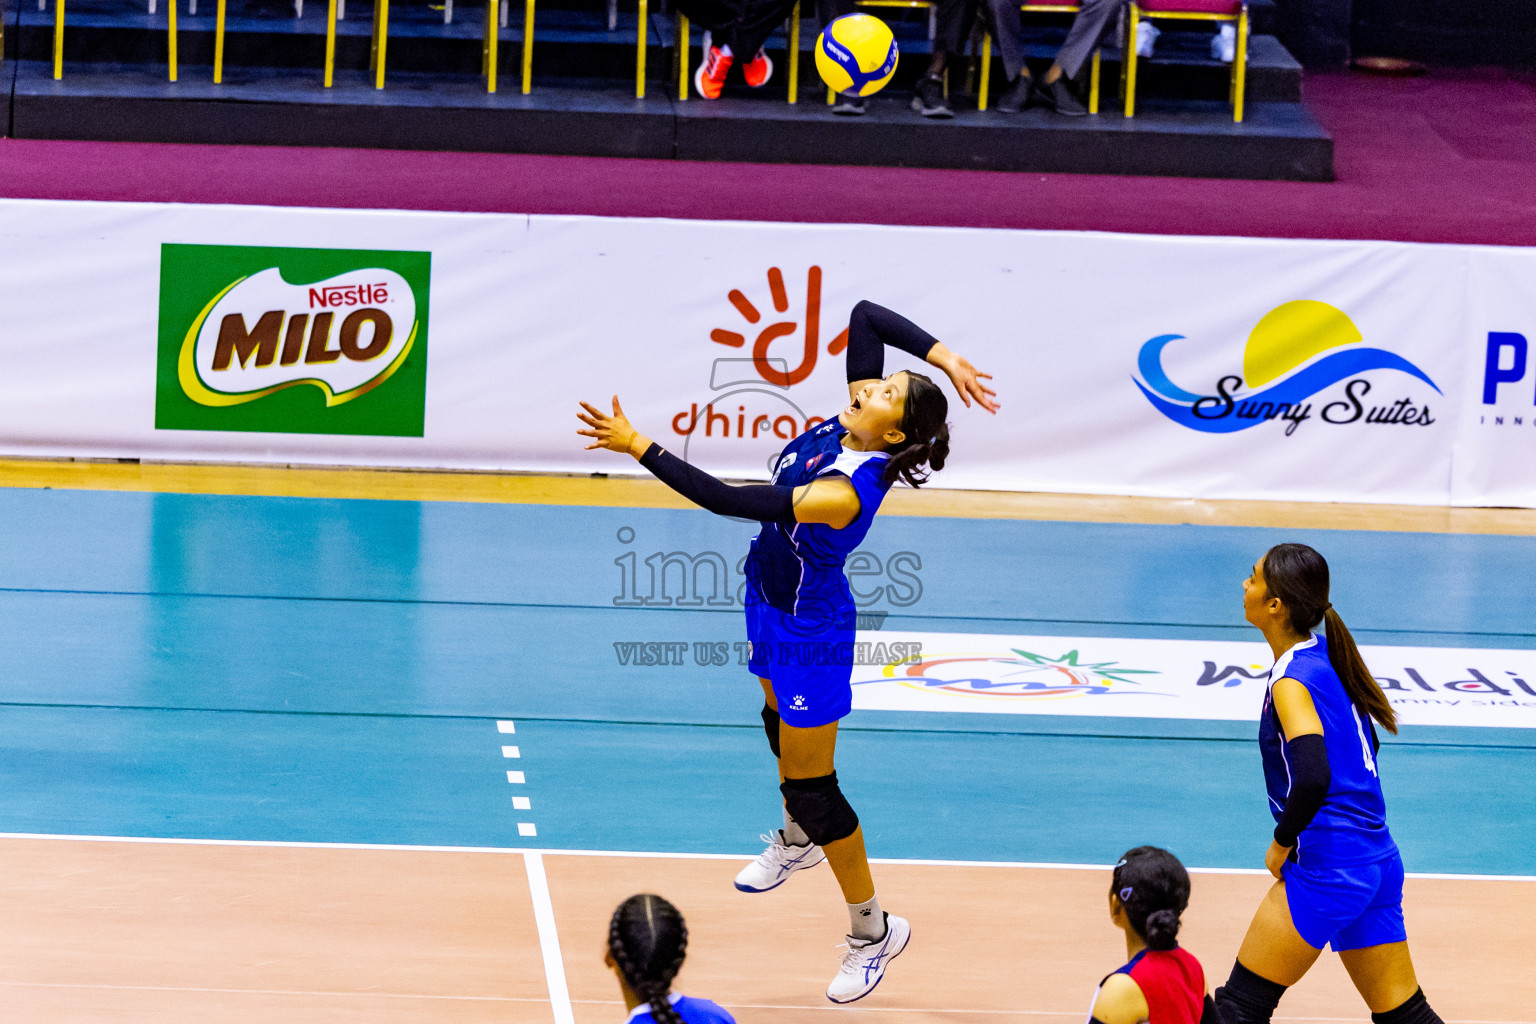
[{"x": 328, "y": 341}]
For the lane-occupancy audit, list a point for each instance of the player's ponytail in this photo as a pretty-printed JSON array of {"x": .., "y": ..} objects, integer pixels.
[
  {"x": 648, "y": 940},
  {"x": 927, "y": 444},
  {"x": 1153, "y": 888},
  {"x": 1298, "y": 576}
]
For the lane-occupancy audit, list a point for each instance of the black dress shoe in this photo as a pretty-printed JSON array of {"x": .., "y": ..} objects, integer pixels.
[
  {"x": 928, "y": 98},
  {"x": 1058, "y": 96},
  {"x": 1016, "y": 97}
]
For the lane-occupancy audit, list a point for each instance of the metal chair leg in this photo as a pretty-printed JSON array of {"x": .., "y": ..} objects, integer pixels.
[
  {"x": 1093, "y": 85},
  {"x": 341, "y": 10},
  {"x": 985, "y": 86},
  {"x": 447, "y": 12},
  {"x": 613, "y": 15},
  {"x": 794, "y": 53},
  {"x": 642, "y": 35},
  {"x": 682, "y": 56},
  {"x": 381, "y": 43},
  {"x": 170, "y": 37},
  {"x": 330, "y": 42},
  {"x": 1240, "y": 65},
  {"x": 527, "y": 47},
  {"x": 505, "y": 6},
  {"x": 218, "y": 44},
  {"x": 58, "y": 39},
  {"x": 1130, "y": 61}
]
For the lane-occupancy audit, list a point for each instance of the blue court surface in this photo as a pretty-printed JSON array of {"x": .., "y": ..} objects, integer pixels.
[{"x": 294, "y": 669}]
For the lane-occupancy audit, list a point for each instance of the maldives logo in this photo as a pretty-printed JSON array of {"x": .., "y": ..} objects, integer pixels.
[
  {"x": 1025, "y": 675},
  {"x": 318, "y": 341},
  {"x": 1296, "y": 351}
]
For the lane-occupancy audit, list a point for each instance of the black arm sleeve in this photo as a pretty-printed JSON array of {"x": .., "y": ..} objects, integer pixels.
[
  {"x": 767, "y": 503},
  {"x": 873, "y": 327},
  {"x": 1308, "y": 760},
  {"x": 1208, "y": 1012}
]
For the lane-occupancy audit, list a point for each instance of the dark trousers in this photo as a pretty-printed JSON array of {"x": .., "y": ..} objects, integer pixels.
[
  {"x": 743, "y": 25},
  {"x": 953, "y": 21},
  {"x": 1089, "y": 27}
]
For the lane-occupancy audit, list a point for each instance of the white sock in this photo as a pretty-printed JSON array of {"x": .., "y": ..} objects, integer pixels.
[
  {"x": 868, "y": 921},
  {"x": 794, "y": 835}
]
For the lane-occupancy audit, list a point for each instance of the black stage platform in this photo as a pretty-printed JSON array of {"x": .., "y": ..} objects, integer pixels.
[{"x": 115, "y": 88}]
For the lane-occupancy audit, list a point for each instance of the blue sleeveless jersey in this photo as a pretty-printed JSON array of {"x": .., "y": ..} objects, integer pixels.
[
  {"x": 1351, "y": 826},
  {"x": 798, "y": 567},
  {"x": 693, "y": 1011}
]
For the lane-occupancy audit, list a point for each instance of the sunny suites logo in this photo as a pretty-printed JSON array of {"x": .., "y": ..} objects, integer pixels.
[
  {"x": 316, "y": 341},
  {"x": 1296, "y": 352}
]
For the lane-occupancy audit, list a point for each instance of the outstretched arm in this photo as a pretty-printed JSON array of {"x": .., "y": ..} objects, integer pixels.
[
  {"x": 830, "y": 501},
  {"x": 872, "y": 327}
]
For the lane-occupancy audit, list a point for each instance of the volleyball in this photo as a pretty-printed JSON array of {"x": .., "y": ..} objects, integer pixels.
[{"x": 856, "y": 54}]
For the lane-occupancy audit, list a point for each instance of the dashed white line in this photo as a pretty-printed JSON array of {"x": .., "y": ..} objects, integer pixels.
[
  {"x": 525, "y": 828},
  {"x": 506, "y": 726},
  {"x": 516, "y": 778},
  {"x": 521, "y": 803},
  {"x": 510, "y": 752}
]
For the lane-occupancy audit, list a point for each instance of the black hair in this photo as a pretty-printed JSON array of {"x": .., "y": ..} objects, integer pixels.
[
  {"x": 648, "y": 939},
  {"x": 1153, "y": 887},
  {"x": 1298, "y": 576},
  {"x": 927, "y": 443}
]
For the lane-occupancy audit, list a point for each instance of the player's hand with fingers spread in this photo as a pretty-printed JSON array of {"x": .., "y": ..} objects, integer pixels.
[
  {"x": 1275, "y": 857},
  {"x": 965, "y": 377},
  {"x": 612, "y": 432}
]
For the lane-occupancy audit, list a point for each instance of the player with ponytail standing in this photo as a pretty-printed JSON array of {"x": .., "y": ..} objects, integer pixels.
[
  {"x": 1340, "y": 877},
  {"x": 647, "y": 941},
  {"x": 827, "y": 486},
  {"x": 1162, "y": 983}
]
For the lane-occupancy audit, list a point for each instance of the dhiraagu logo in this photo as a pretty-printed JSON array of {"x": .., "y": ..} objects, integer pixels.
[
  {"x": 1297, "y": 352},
  {"x": 313, "y": 341}
]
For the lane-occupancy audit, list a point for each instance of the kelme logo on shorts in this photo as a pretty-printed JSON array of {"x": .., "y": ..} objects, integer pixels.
[{"x": 300, "y": 341}]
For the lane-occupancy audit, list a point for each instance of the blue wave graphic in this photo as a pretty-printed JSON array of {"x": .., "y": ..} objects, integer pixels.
[{"x": 1322, "y": 374}]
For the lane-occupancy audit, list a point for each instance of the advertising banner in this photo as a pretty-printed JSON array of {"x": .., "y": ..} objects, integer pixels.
[
  {"x": 1192, "y": 679},
  {"x": 1183, "y": 367}
]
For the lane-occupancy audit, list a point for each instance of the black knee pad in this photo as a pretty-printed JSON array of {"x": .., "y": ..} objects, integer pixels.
[
  {"x": 1414, "y": 1010},
  {"x": 820, "y": 808},
  {"x": 1247, "y": 998},
  {"x": 771, "y": 727}
]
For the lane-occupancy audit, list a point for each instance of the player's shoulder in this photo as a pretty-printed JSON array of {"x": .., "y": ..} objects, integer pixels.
[
  {"x": 1307, "y": 663},
  {"x": 702, "y": 1011},
  {"x": 1119, "y": 999}
]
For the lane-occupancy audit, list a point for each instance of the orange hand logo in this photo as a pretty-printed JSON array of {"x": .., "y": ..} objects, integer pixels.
[{"x": 769, "y": 334}]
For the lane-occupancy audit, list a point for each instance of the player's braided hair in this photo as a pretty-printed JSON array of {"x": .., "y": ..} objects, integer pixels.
[
  {"x": 927, "y": 443},
  {"x": 1298, "y": 576},
  {"x": 1153, "y": 887},
  {"x": 648, "y": 940}
]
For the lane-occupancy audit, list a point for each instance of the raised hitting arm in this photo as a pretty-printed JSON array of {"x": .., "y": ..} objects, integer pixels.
[{"x": 871, "y": 327}]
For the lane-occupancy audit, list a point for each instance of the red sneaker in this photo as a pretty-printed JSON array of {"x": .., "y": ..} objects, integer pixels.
[
  {"x": 710, "y": 78},
  {"x": 758, "y": 70}
]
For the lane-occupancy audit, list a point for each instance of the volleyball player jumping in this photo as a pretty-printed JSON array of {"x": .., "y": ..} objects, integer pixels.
[
  {"x": 1340, "y": 877},
  {"x": 827, "y": 486}
]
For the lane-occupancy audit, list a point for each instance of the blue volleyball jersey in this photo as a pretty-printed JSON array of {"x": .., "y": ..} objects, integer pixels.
[
  {"x": 693, "y": 1011},
  {"x": 1351, "y": 826},
  {"x": 799, "y": 566}
]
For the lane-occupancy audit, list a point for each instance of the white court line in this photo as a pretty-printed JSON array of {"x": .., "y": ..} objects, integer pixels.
[
  {"x": 510, "y": 752},
  {"x": 506, "y": 726},
  {"x": 614, "y": 1002},
  {"x": 661, "y": 855},
  {"x": 549, "y": 939}
]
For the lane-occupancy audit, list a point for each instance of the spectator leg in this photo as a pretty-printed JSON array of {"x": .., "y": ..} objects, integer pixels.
[{"x": 1088, "y": 29}]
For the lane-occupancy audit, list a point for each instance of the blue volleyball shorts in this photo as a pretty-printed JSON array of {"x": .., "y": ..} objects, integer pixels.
[
  {"x": 1348, "y": 907},
  {"x": 807, "y": 658}
]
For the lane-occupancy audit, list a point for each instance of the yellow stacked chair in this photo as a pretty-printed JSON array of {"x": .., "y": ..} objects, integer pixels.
[{"x": 1233, "y": 12}]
